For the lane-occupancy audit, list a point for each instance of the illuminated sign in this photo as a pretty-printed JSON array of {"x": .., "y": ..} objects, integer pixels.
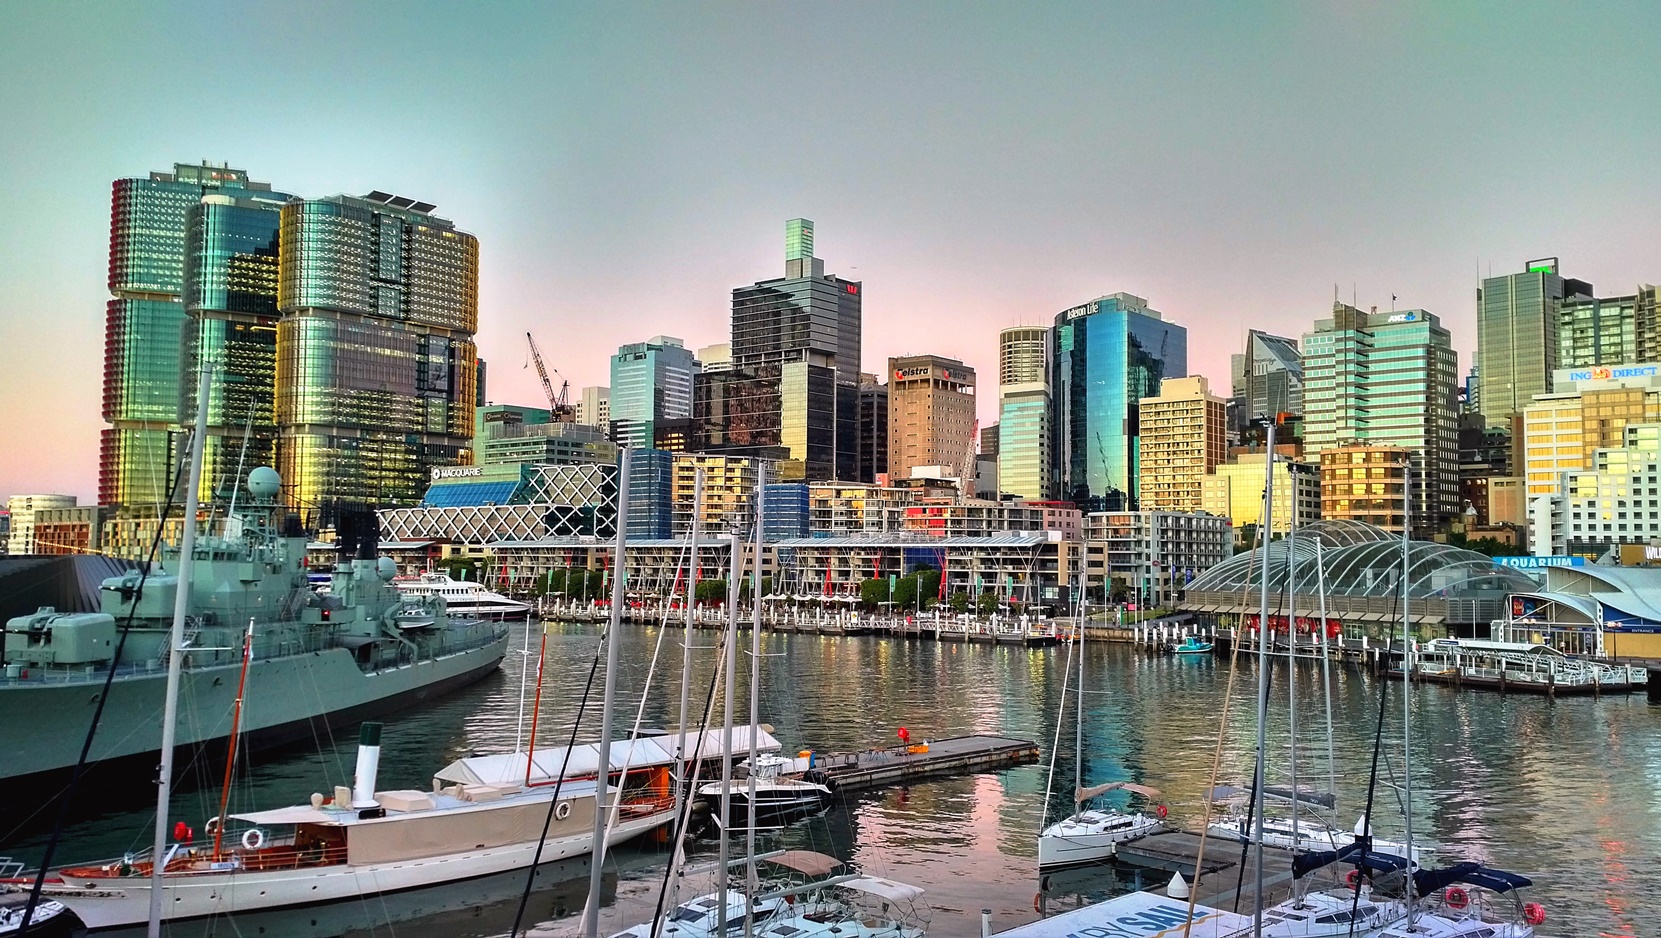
[
  {"x": 457, "y": 472},
  {"x": 1536, "y": 563},
  {"x": 1606, "y": 373},
  {"x": 1404, "y": 317},
  {"x": 1079, "y": 311},
  {"x": 853, "y": 288}
]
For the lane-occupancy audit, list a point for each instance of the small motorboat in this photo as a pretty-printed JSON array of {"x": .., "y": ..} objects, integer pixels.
[
  {"x": 50, "y": 917},
  {"x": 1190, "y": 646}
]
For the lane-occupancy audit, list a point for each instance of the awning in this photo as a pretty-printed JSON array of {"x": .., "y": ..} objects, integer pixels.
[
  {"x": 885, "y": 888},
  {"x": 298, "y": 814},
  {"x": 508, "y": 768},
  {"x": 806, "y": 862}
]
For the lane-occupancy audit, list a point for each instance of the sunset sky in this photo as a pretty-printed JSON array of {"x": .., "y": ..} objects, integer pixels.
[{"x": 625, "y": 165}]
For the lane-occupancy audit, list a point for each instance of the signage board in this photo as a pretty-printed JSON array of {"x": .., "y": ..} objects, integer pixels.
[
  {"x": 456, "y": 472},
  {"x": 1538, "y": 563},
  {"x": 1138, "y": 915},
  {"x": 1404, "y": 317},
  {"x": 1602, "y": 373}
]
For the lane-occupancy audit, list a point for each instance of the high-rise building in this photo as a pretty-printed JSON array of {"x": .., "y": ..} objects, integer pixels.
[
  {"x": 5, "y": 531},
  {"x": 1589, "y": 411},
  {"x": 651, "y": 381},
  {"x": 931, "y": 416},
  {"x": 1268, "y": 378},
  {"x": 230, "y": 301},
  {"x": 1024, "y": 432},
  {"x": 1516, "y": 336},
  {"x": 1366, "y": 483},
  {"x": 801, "y": 333},
  {"x": 509, "y": 434},
  {"x": 1106, "y": 355},
  {"x": 1597, "y": 331},
  {"x": 1387, "y": 380},
  {"x": 376, "y": 364},
  {"x": 716, "y": 357},
  {"x": 651, "y": 494},
  {"x": 1234, "y": 490},
  {"x": 144, "y": 351},
  {"x": 873, "y": 428},
  {"x": 1183, "y": 439},
  {"x": 1598, "y": 507},
  {"x": 594, "y": 406},
  {"x": 22, "y": 510}
]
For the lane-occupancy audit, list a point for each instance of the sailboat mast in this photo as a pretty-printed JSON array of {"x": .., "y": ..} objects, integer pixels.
[
  {"x": 1078, "y": 723},
  {"x": 681, "y": 790},
  {"x": 730, "y": 661},
  {"x": 1326, "y": 669},
  {"x": 1263, "y": 668},
  {"x": 750, "y": 883},
  {"x": 236, "y": 726},
  {"x": 176, "y": 651},
  {"x": 1407, "y": 676},
  {"x": 602, "y": 784},
  {"x": 1292, "y": 657}
]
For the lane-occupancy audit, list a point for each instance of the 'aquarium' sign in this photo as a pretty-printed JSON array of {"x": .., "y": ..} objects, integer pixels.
[{"x": 1535, "y": 563}]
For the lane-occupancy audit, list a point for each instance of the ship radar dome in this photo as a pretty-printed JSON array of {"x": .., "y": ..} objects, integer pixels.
[{"x": 264, "y": 482}]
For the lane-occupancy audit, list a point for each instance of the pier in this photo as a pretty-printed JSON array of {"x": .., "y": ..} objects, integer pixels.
[{"x": 902, "y": 765}]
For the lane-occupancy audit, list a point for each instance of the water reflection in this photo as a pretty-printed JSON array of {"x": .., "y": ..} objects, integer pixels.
[{"x": 1564, "y": 790}]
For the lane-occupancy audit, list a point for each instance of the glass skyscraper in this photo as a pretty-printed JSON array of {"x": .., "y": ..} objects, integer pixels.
[
  {"x": 376, "y": 365},
  {"x": 651, "y": 382},
  {"x": 1023, "y": 428},
  {"x": 145, "y": 325},
  {"x": 1516, "y": 337},
  {"x": 1105, "y": 356},
  {"x": 1388, "y": 380}
]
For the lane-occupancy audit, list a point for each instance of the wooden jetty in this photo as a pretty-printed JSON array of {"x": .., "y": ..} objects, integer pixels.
[
  {"x": 902, "y": 765},
  {"x": 1149, "y": 863}
]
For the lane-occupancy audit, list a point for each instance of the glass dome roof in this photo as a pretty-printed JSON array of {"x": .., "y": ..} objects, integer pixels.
[{"x": 1358, "y": 559}]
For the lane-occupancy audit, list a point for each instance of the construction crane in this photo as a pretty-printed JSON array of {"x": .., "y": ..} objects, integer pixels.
[{"x": 559, "y": 403}]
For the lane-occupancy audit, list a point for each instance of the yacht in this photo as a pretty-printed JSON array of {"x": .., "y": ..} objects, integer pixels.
[
  {"x": 1351, "y": 910},
  {"x": 1311, "y": 835},
  {"x": 1491, "y": 908},
  {"x": 1087, "y": 836},
  {"x": 779, "y": 799},
  {"x": 464, "y": 597}
]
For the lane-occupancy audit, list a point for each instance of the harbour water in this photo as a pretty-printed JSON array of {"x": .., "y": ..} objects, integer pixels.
[{"x": 1564, "y": 791}]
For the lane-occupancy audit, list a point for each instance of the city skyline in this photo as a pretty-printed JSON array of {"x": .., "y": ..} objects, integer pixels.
[{"x": 1046, "y": 183}]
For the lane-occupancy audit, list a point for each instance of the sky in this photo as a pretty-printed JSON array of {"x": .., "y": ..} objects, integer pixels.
[{"x": 976, "y": 165}]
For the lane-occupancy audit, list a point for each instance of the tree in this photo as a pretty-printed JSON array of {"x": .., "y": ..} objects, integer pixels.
[
  {"x": 873, "y": 591},
  {"x": 905, "y": 592},
  {"x": 986, "y": 603},
  {"x": 928, "y": 583},
  {"x": 462, "y": 568},
  {"x": 597, "y": 585},
  {"x": 1493, "y": 547},
  {"x": 553, "y": 583},
  {"x": 958, "y": 602},
  {"x": 1121, "y": 590},
  {"x": 711, "y": 591}
]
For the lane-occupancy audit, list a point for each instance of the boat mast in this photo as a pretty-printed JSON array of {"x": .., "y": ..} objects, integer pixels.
[
  {"x": 176, "y": 651},
  {"x": 1292, "y": 654},
  {"x": 1078, "y": 726},
  {"x": 602, "y": 784},
  {"x": 750, "y": 883},
  {"x": 681, "y": 791},
  {"x": 236, "y": 725},
  {"x": 1407, "y": 678},
  {"x": 1326, "y": 667},
  {"x": 729, "y": 662},
  {"x": 1263, "y": 666}
]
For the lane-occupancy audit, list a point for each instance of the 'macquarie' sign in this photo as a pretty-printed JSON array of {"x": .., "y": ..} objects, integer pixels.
[{"x": 1138, "y": 915}]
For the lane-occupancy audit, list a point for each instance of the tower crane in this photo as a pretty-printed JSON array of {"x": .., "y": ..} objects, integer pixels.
[{"x": 559, "y": 403}]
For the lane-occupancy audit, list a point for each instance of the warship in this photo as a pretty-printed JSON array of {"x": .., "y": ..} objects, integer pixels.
[{"x": 318, "y": 658}]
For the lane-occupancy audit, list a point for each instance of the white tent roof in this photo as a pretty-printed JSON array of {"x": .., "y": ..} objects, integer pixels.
[
  {"x": 710, "y": 745},
  {"x": 885, "y": 888},
  {"x": 508, "y": 768}
]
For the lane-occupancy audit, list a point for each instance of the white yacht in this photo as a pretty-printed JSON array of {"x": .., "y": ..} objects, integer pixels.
[
  {"x": 1087, "y": 836},
  {"x": 780, "y": 799},
  {"x": 848, "y": 906},
  {"x": 464, "y": 597},
  {"x": 1352, "y": 909},
  {"x": 1311, "y": 835},
  {"x": 1491, "y": 908},
  {"x": 481, "y": 818}
]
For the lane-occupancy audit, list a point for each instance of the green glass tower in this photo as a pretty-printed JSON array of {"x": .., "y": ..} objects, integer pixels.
[
  {"x": 1516, "y": 337},
  {"x": 376, "y": 365},
  {"x": 145, "y": 320}
]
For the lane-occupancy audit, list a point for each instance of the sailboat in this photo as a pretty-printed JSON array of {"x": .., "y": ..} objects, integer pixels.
[{"x": 1088, "y": 836}]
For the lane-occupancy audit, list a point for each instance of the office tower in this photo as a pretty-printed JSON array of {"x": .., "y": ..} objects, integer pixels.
[
  {"x": 931, "y": 417},
  {"x": 1367, "y": 483},
  {"x": 530, "y": 435},
  {"x": 1597, "y": 331},
  {"x": 375, "y": 357},
  {"x": 5, "y": 531},
  {"x": 1024, "y": 433},
  {"x": 1234, "y": 490},
  {"x": 594, "y": 406},
  {"x": 22, "y": 511},
  {"x": 1516, "y": 336},
  {"x": 1268, "y": 378},
  {"x": 145, "y": 324},
  {"x": 716, "y": 357},
  {"x": 1589, "y": 411},
  {"x": 873, "y": 429},
  {"x": 651, "y": 494},
  {"x": 1386, "y": 380},
  {"x": 230, "y": 301},
  {"x": 1105, "y": 356},
  {"x": 1183, "y": 439},
  {"x": 651, "y": 382},
  {"x": 800, "y": 334}
]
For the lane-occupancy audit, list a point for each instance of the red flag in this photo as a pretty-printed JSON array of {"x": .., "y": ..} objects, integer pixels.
[
  {"x": 827, "y": 579},
  {"x": 942, "y": 576}
]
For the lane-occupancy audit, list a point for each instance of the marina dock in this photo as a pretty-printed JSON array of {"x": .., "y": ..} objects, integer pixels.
[{"x": 901, "y": 765}]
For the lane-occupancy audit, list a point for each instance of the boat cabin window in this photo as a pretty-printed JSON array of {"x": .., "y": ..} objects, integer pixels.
[{"x": 1333, "y": 918}]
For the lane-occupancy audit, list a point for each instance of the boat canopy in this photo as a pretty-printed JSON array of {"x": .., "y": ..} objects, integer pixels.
[
  {"x": 1085, "y": 794},
  {"x": 297, "y": 814},
  {"x": 805, "y": 862},
  {"x": 508, "y": 768},
  {"x": 1426, "y": 882},
  {"x": 707, "y": 743},
  {"x": 884, "y": 888},
  {"x": 1305, "y": 863}
]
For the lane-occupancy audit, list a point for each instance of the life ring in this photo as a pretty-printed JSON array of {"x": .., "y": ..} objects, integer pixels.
[
  {"x": 1038, "y": 903},
  {"x": 1534, "y": 913},
  {"x": 1352, "y": 879},
  {"x": 1456, "y": 898},
  {"x": 563, "y": 811},
  {"x": 1162, "y": 811},
  {"x": 211, "y": 824},
  {"x": 253, "y": 838}
]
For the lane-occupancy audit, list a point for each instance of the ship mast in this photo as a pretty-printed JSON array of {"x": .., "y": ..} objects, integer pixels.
[{"x": 176, "y": 652}]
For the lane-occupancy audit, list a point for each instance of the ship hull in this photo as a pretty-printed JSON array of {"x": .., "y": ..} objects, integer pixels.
[{"x": 288, "y": 698}]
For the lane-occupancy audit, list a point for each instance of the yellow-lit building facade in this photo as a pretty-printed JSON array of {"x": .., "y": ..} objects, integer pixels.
[
  {"x": 1589, "y": 411},
  {"x": 1184, "y": 436},
  {"x": 1234, "y": 490}
]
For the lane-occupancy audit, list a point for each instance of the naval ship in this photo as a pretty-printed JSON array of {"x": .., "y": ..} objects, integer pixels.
[{"x": 318, "y": 658}]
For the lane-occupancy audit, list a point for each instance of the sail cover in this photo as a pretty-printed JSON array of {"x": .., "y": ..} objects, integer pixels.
[
  {"x": 1426, "y": 882},
  {"x": 1085, "y": 794}
]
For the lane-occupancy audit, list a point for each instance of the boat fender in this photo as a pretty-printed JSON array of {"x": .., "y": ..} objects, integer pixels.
[
  {"x": 1352, "y": 879},
  {"x": 211, "y": 824},
  {"x": 1456, "y": 898},
  {"x": 563, "y": 811},
  {"x": 1162, "y": 811},
  {"x": 1534, "y": 913},
  {"x": 253, "y": 838},
  {"x": 1038, "y": 903}
]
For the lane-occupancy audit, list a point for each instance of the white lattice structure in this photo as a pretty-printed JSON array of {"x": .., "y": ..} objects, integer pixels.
[{"x": 554, "y": 500}]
